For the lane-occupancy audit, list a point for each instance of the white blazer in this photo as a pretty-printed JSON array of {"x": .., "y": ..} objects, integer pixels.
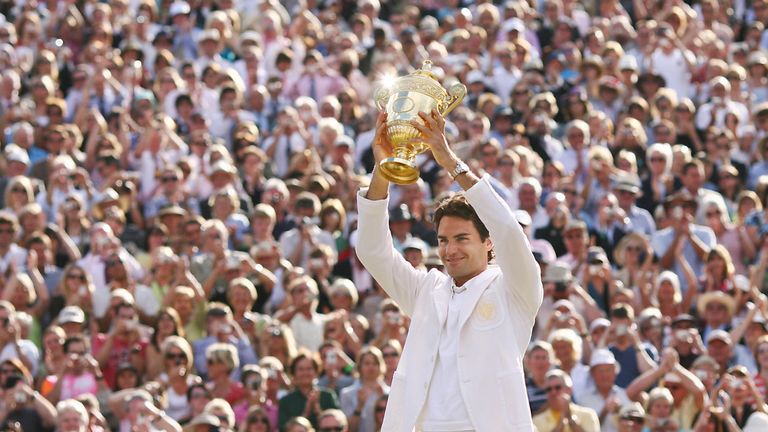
[{"x": 495, "y": 325}]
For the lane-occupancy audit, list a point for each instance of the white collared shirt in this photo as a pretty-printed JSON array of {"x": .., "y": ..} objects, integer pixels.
[{"x": 445, "y": 409}]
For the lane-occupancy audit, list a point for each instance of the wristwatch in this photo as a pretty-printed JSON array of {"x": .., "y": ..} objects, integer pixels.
[{"x": 460, "y": 168}]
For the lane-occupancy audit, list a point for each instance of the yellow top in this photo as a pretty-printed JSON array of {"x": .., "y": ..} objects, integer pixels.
[{"x": 548, "y": 420}]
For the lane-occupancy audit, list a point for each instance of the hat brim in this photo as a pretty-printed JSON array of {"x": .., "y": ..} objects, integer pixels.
[{"x": 716, "y": 296}]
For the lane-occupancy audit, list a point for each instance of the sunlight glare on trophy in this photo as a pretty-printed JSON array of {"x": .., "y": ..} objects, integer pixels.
[{"x": 387, "y": 80}]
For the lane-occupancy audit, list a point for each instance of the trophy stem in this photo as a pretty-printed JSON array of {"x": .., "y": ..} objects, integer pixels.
[{"x": 399, "y": 170}]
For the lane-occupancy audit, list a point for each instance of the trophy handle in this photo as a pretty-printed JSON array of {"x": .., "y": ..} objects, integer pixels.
[
  {"x": 456, "y": 94},
  {"x": 381, "y": 97}
]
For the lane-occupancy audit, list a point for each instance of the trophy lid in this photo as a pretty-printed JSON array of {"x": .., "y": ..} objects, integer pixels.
[{"x": 426, "y": 70}]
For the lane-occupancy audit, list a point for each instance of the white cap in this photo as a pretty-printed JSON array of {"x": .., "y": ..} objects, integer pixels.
[
  {"x": 210, "y": 34},
  {"x": 628, "y": 62},
  {"x": 15, "y": 153},
  {"x": 179, "y": 8},
  {"x": 720, "y": 335},
  {"x": 599, "y": 322},
  {"x": 564, "y": 303},
  {"x": 602, "y": 357},
  {"x": 223, "y": 165},
  {"x": 71, "y": 314},
  {"x": 514, "y": 23},
  {"x": 475, "y": 76}
]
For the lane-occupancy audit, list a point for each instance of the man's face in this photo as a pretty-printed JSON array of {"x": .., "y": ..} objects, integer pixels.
[
  {"x": 604, "y": 375},
  {"x": 626, "y": 198},
  {"x": 555, "y": 390},
  {"x": 6, "y": 234},
  {"x": 715, "y": 312},
  {"x": 54, "y": 142},
  {"x": 719, "y": 350},
  {"x": 574, "y": 240},
  {"x": 304, "y": 373},
  {"x": 413, "y": 256},
  {"x": 693, "y": 178},
  {"x": 70, "y": 421},
  {"x": 527, "y": 197},
  {"x": 463, "y": 252},
  {"x": 538, "y": 360}
]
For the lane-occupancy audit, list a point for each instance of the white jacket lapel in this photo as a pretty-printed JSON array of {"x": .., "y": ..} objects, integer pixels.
[
  {"x": 442, "y": 295},
  {"x": 479, "y": 284}
]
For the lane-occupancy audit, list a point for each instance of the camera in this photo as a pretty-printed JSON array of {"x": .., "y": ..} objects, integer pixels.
[
  {"x": 622, "y": 329},
  {"x": 11, "y": 381},
  {"x": 20, "y": 398},
  {"x": 594, "y": 269},
  {"x": 255, "y": 383},
  {"x": 560, "y": 287}
]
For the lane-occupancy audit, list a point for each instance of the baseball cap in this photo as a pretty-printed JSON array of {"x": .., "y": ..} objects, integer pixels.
[
  {"x": 17, "y": 154},
  {"x": 602, "y": 357},
  {"x": 71, "y": 314},
  {"x": 417, "y": 244},
  {"x": 600, "y": 322},
  {"x": 632, "y": 411},
  {"x": 575, "y": 224},
  {"x": 558, "y": 272},
  {"x": 720, "y": 335},
  {"x": 475, "y": 76},
  {"x": 179, "y": 8}
]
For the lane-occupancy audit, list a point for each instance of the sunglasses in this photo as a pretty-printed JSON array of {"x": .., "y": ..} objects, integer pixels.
[
  {"x": 331, "y": 429},
  {"x": 390, "y": 354},
  {"x": 175, "y": 356},
  {"x": 638, "y": 420},
  {"x": 76, "y": 276},
  {"x": 169, "y": 179},
  {"x": 380, "y": 409},
  {"x": 18, "y": 190},
  {"x": 258, "y": 419}
]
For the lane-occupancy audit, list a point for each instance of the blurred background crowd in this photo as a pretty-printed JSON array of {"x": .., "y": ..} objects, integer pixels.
[{"x": 177, "y": 233}]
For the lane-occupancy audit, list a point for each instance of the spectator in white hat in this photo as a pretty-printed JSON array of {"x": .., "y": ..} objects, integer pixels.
[{"x": 606, "y": 398}]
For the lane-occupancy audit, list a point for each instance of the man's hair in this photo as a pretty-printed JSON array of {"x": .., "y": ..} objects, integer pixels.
[
  {"x": 457, "y": 206},
  {"x": 76, "y": 339}
]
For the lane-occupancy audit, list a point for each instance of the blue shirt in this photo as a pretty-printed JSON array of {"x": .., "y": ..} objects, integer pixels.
[
  {"x": 662, "y": 240},
  {"x": 244, "y": 352}
]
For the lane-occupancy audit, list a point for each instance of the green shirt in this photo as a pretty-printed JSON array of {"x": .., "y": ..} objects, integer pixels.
[{"x": 292, "y": 405}]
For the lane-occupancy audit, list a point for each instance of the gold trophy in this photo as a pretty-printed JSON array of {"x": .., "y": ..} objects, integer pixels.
[{"x": 408, "y": 95}]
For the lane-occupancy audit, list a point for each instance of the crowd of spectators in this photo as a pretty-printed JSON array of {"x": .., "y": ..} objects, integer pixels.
[{"x": 178, "y": 195}]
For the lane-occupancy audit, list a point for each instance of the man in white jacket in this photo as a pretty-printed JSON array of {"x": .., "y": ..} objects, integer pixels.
[{"x": 461, "y": 368}]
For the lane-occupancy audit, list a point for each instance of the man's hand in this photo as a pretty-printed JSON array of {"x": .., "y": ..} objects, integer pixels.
[
  {"x": 433, "y": 134},
  {"x": 382, "y": 146}
]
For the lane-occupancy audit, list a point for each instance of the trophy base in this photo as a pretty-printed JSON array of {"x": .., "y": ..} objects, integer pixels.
[{"x": 399, "y": 170}]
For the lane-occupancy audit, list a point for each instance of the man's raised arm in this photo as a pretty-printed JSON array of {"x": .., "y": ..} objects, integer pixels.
[
  {"x": 513, "y": 252},
  {"x": 375, "y": 249}
]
